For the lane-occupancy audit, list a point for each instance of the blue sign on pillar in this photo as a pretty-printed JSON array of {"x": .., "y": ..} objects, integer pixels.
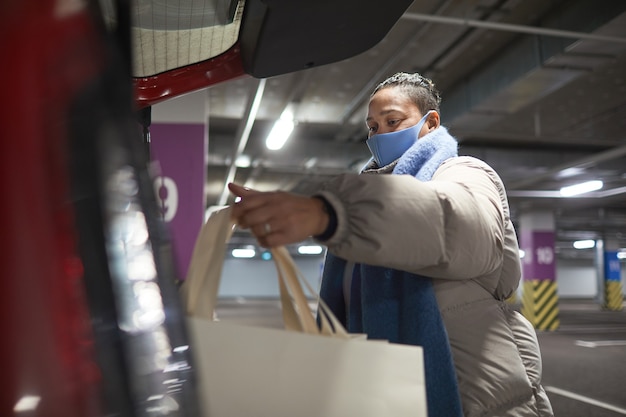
[{"x": 612, "y": 271}]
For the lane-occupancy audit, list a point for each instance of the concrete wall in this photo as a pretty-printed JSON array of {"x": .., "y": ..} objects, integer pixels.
[
  {"x": 576, "y": 278},
  {"x": 257, "y": 278}
]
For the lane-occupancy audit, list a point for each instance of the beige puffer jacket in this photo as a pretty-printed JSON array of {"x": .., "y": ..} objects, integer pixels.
[{"x": 456, "y": 229}]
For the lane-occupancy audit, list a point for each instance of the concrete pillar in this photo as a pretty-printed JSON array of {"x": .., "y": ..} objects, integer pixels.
[{"x": 539, "y": 288}]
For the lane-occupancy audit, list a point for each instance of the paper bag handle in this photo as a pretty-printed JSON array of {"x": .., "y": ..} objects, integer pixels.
[
  {"x": 199, "y": 291},
  {"x": 289, "y": 273}
]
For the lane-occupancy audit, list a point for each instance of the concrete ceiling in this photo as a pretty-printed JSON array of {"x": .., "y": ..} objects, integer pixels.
[{"x": 535, "y": 88}]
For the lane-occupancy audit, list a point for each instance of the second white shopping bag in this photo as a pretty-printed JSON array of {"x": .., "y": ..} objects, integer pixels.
[{"x": 304, "y": 370}]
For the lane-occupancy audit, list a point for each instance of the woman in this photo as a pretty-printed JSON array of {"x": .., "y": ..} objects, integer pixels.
[{"x": 435, "y": 232}]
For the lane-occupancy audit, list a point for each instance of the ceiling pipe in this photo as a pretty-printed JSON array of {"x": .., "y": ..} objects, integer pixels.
[
  {"x": 468, "y": 137},
  {"x": 490, "y": 97},
  {"x": 579, "y": 163},
  {"x": 533, "y": 30},
  {"x": 243, "y": 133},
  {"x": 300, "y": 82},
  {"x": 363, "y": 95},
  {"x": 557, "y": 194},
  {"x": 298, "y": 87}
]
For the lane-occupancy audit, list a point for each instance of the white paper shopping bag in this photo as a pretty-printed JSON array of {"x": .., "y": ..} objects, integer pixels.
[{"x": 306, "y": 371}]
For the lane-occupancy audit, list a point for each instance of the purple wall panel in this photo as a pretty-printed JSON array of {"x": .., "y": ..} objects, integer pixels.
[
  {"x": 539, "y": 259},
  {"x": 180, "y": 150}
]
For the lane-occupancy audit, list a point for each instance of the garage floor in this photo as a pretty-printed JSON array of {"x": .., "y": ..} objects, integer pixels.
[{"x": 584, "y": 361}]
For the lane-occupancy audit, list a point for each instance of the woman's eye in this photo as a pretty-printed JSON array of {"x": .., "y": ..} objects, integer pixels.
[
  {"x": 371, "y": 129},
  {"x": 393, "y": 122}
]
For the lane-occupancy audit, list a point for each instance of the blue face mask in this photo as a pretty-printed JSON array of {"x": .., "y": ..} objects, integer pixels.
[{"x": 387, "y": 147}]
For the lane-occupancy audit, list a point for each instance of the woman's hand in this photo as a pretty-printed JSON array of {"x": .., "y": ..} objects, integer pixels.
[{"x": 278, "y": 218}]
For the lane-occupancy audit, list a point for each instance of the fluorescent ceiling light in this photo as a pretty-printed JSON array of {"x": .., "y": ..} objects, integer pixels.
[
  {"x": 310, "y": 250},
  {"x": 585, "y": 244},
  {"x": 581, "y": 188},
  {"x": 310, "y": 163},
  {"x": 280, "y": 132},
  {"x": 180, "y": 348},
  {"x": 243, "y": 253},
  {"x": 243, "y": 161}
]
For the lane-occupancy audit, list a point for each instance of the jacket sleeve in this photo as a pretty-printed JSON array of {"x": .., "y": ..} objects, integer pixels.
[{"x": 451, "y": 227}]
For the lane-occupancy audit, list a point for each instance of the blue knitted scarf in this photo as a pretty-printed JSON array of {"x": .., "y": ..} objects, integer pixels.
[{"x": 396, "y": 305}]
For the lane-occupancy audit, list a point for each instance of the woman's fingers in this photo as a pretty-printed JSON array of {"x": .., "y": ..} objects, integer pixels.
[
  {"x": 246, "y": 210},
  {"x": 240, "y": 191},
  {"x": 278, "y": 218}
]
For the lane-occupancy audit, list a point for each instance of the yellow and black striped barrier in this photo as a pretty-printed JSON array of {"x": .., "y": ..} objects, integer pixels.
[
  {"x": 613, "y": 295},
  {"x": 540, "y": 304}
]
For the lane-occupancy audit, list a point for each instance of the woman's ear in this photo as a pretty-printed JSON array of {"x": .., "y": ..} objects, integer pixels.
[{"x": 432, "y": 121}]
